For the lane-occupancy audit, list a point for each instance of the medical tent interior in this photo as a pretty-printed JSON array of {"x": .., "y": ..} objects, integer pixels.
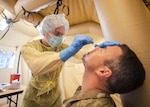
[{"x": 125, "y": 21}]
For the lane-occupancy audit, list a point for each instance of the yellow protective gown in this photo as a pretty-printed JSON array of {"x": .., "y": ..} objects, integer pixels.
[{"x": 45, "y": 64}]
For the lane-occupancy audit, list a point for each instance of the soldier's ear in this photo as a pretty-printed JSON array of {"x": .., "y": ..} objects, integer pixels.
[{"x": 104, "y": 72}]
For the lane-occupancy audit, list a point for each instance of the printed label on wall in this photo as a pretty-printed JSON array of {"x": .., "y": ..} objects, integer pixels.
[{"x": 7, "y": 59}]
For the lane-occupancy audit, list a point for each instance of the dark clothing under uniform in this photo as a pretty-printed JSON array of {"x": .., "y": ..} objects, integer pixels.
[{"x": 90, "y": 98}]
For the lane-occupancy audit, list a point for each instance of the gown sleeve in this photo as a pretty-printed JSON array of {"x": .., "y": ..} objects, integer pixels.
[{"x": 40, "y": 60}]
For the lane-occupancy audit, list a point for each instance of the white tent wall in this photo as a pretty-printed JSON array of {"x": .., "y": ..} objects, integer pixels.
[
  {"x": 19, "y": 33},
  {"x": 128, "y": 21},
  {"x": 5, "y": 72}
]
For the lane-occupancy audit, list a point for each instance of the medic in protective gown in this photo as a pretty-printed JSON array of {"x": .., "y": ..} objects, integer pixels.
[{"x": 45, "y": 58}]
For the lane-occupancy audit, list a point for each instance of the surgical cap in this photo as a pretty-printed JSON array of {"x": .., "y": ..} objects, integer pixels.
[{"x": 51, "y": 22}]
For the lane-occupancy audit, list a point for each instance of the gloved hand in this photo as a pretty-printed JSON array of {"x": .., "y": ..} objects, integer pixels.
[
  {"x": 108, "y": 43},
  {"x": 79, "y": 41}
]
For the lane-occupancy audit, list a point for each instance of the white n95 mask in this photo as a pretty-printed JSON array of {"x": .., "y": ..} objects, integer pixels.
[{"x": 55, "y": 41}]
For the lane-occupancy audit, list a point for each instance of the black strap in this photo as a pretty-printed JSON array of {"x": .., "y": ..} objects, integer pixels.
[
  {"x": 5, "y": 32},
  {"x": 146, "y": 3},
  {"x": 59, "y": 4}
]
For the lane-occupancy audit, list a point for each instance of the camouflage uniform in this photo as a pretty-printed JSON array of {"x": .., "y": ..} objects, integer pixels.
[{"x": 91, "y": 98}]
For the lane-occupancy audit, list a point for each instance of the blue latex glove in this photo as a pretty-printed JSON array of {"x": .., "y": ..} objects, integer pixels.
[
  {"x": 108, "y": 43},
  {"x": 79, "y": 41}
]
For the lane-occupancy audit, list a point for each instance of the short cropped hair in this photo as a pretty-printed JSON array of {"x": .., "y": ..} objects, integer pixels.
[{"x": 128, "y": 72}]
